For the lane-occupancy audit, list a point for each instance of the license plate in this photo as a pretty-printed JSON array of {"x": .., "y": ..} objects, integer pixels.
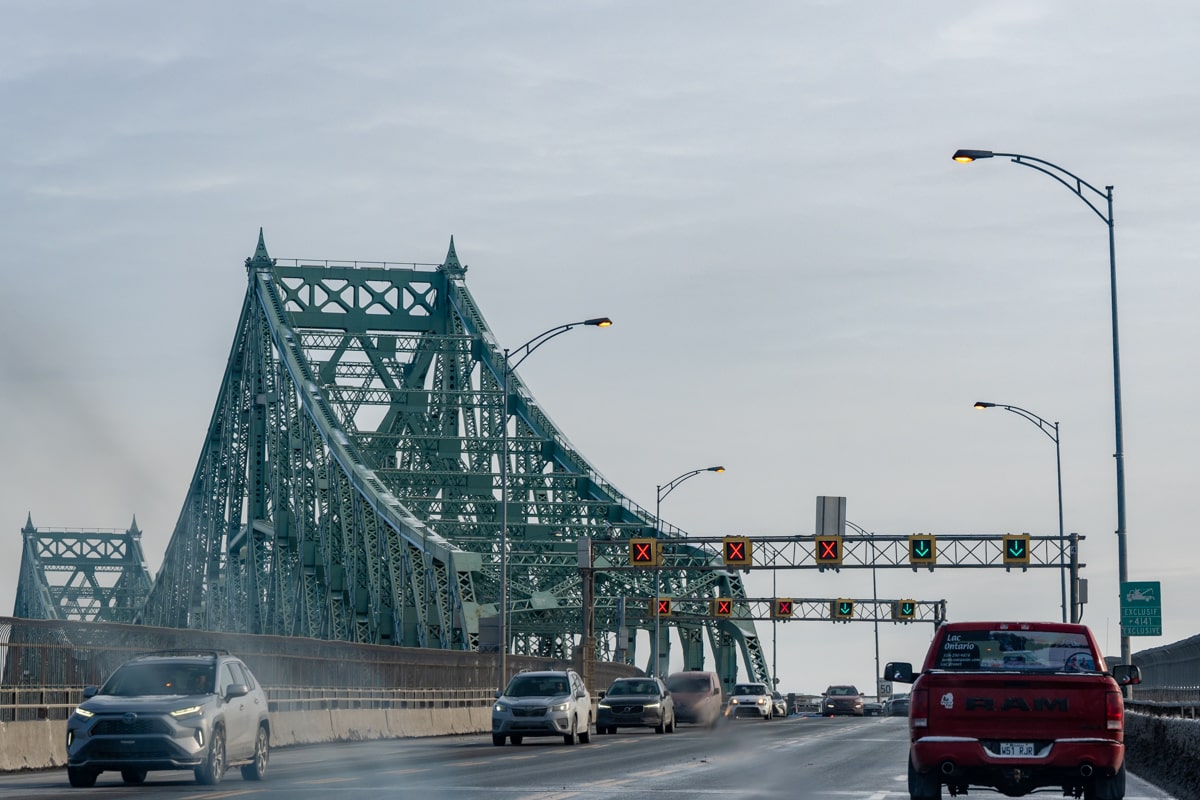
[{"x": 1016, "y": 748}]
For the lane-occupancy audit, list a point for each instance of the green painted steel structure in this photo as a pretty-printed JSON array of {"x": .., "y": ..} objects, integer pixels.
[
  {"x": 83, "y": 575},
  {"x": 348, "y": 486}
]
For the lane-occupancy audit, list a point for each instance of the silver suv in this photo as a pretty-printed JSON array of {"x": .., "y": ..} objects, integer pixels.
[
  {"x": 173, "y": 709},
  {"x": 546, "y": 703}
]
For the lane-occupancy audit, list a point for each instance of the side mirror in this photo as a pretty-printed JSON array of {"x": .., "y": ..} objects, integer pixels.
[
  {"x": 1127, "y": 674},
  {"x": 602, "y": 693},
  {"x": 899, "y": 671},
  {"x": 581, "y": 693},
  {"x": 236, "y": 690},
  {"x": 90, "y": 691},
  {"x": 496, "y": 694}
]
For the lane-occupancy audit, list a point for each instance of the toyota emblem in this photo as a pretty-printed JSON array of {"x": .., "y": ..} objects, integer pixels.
[{"x": 129, "y": 718}]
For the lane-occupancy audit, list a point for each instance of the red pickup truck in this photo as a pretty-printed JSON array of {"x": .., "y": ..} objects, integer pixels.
[{"x": 1015, "y": 706}]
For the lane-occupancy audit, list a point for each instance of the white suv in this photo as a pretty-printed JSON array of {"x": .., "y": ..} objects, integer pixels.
[
  {"x": 546, "y": 703},
  {"x": 750, "y": 700}
]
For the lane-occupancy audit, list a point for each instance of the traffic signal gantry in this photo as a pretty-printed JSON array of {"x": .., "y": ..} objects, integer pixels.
[
  {"x": 915, "y": 551},
  {"x": 782, "y": 609}
]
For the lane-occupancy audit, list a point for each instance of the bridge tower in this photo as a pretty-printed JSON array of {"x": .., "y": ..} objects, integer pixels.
[
  {"x": 348, "y": 486},
  {"x": 86, "y": 575}
]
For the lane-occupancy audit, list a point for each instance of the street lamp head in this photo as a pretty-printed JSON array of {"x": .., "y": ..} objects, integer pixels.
[
  {"x": 981, "y": 404},
  {"x": 967, "y": 156},
  {"x": 716, "y": 469},
  {"x": 599, "y": 322}
]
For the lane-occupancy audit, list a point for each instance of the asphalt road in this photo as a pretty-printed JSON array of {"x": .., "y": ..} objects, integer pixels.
[{"x": 800, "y": 757}]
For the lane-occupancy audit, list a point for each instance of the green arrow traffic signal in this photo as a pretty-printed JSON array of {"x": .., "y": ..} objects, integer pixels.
[
  {"x": 922, "y": 549},
  {"x": 842, "y": 609},
  {"x": 904, "y": 610},
  {"x": 1016, "y": 549}
]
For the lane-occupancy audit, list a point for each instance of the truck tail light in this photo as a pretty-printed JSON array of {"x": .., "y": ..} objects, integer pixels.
[
  {"x": 919, "y": 709},
  {"x": 1114, "y": 710}
]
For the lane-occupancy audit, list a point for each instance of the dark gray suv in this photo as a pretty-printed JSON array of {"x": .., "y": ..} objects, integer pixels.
[{"x": 174, "y": 709}]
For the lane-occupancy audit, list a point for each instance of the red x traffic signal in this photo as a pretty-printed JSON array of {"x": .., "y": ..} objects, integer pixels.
[
  {"x": 722, "y": 607},
  {"x": 828, "y": 551},
  {"x": 645, "y": 553},
  {"x": 782, "y": 608},
  {"x": 736, "y": 551}
]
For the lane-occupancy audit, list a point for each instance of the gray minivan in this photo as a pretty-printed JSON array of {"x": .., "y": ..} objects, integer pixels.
[{"x": 697, "y": 697}]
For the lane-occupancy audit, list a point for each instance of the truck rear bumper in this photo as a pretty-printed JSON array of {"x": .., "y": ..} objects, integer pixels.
[{"x": 1055, "y": 762}]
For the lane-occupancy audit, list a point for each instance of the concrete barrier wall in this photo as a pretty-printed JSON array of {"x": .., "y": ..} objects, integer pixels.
[
  {"x": 1165, "y": 750},
  {"x": 41, "y": 744}
]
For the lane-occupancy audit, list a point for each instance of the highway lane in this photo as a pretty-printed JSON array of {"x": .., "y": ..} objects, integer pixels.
[{"x": 801, "y": 757}]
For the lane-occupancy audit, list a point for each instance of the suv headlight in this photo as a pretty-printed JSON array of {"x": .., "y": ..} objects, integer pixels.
[
  {"x": 762, "y": 701},
  {"x": 180, "y": 713},
  {"x": 655, "y": 704},
  {"x": 83, "y": 713},
  {"x": 603, "y": 704},
  {"x": 560, "y": 706},
  {"x": 500, "y": 708}
]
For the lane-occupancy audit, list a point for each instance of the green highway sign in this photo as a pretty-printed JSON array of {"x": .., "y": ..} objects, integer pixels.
[{"x": 1141, "y": 608}]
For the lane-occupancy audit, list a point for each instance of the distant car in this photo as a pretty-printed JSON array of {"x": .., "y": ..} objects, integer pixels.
[
  {"x": 697, "y": 697},
  {"x": 872, "y": 709},
  {"x": 636, "y": 703},
  {"x": 842, "y": 699},
  {"x": 780, "y": 708},
  {"x": 545, "y": 703},
  {"x": 897, "y": 706},
  {"x": 173, "y": 709},
  {"x": 750, "y": 700}
]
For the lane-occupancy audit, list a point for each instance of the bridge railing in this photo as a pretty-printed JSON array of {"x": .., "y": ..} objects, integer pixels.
[{"x": 44, "y": 665}]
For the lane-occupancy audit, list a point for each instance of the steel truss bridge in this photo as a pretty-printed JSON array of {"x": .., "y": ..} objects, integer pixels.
[{"x": 348, "y": 487}]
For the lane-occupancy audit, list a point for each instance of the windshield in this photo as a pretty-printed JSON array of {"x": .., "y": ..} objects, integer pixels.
[
  {"x": 688, "y": 684},
  {"x": 842, "y": 691},
  {"x": 134, "y": 680},
  {"x": 633, "y": 687},
  {"x": 1015, "y": 651},
  {"x": 749, "y": 688},
  {"x": 537, "y": 686}
]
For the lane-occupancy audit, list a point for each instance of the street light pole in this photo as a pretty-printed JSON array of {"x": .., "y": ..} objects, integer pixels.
[
  {"x": 523, "y": 352},
  {"x": 1077, "y": 186},
  {"x": 874, "y": 599},
  {"x": 1046, "y": 428},
  {"x": 661, "y": 492}
]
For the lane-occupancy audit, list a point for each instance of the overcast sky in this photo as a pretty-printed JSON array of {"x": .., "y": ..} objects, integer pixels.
[{"x": 805, "y": 288}]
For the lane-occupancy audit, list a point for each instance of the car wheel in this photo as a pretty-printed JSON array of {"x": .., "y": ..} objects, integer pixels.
[
  {"x": 213, "y": 769},
  {"x": 498, "y": 739},
  {"x": 256, "y": 770},
  {"x": 923, "y": 787},
  {"x": 81, "y": 778},
  {"x": 1107, "y": 788},
  {"x": 516, "y": 739},
  {"x": 586, "y": 736},
  {"x": 671, "y": 726},
  {"x": 134, "y": 777},
  {"x": 570, "y": 737},
  {"x": 661, "y": 727}
]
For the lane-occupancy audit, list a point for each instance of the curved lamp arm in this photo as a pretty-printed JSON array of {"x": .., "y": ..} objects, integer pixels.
[
  {"x": 670, "y": 487},
  {"x": 524, "y": 351},
  {"x": 1067, "y": 179},
  {"x": 1046, "y": 427}
]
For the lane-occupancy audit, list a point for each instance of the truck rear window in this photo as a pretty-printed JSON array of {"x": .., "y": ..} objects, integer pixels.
[{"x": 1015, "y": 651}]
